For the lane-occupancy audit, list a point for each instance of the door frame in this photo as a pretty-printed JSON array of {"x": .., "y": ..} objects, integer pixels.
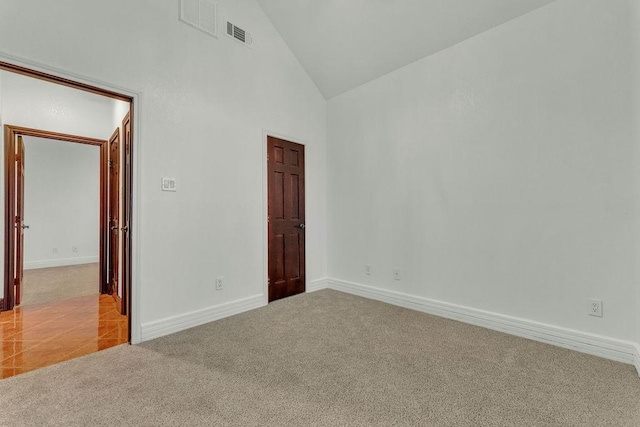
[
  {"x": 266, "y": 133},
  {"x": 11, "y": 132},
  {"x": 12, "y": 63}
]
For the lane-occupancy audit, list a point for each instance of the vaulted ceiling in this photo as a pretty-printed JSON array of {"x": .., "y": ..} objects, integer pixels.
[{"x": 343, "y": 44}]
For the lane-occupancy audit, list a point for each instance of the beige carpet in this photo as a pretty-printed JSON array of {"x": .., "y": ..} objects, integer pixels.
[
  {"x": 328, "y": 359},
  {"x": 56, "y": 283}
]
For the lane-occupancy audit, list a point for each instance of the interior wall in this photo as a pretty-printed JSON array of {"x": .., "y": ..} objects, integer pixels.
[
  {"x": 499, "y": 174},
  {"x": 203, "y": 107},
  {"x": 1, "y": 118},
  {"x": 62, "y": 203},
  {"x": 42, "y": 105},
  {"x": 37, "y": 104},
  {"x": 634, "y": 16}
]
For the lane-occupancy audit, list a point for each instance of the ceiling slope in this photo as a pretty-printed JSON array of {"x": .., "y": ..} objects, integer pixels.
[{"x": 343, "y": 44}]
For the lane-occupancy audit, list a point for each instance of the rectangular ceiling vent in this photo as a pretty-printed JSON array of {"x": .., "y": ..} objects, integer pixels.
[
  {"x": 238, "y": 34},
  {"x": 200, "y": 14}
]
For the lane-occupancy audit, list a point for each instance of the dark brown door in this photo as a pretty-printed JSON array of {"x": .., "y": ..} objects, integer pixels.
[
  {"x": 285, "y": 168},
  {"x": 20, "y": 226},
  {"x": 114, "y": 213},
  {"x": 126, "y": 215}
]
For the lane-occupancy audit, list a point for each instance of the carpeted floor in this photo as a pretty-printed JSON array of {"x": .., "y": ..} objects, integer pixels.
[
  {"x": 327, "y": 359},
  {"x": 57, "y": 283}
]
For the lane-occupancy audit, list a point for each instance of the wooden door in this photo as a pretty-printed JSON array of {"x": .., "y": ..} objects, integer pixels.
[
  {"x": 114, "y": 213},
  {"x": 126, "y": 215},
  {"x": 286, "y": 216},
  {"x": 19, "y": 220}
]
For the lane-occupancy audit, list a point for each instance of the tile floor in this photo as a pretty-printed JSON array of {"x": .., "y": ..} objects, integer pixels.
[{"x": 43, "y": 334}]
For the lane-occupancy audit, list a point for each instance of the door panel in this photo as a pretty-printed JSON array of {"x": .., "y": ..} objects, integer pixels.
[
  {"x": 286, "y": 216},
  {"x": 114, "y": 214},
  {"x": 295, "y": 193},
  {"x": 293, "y": 256},
  {"x": 126, "y": 215},
  {"x": 19, "y": 220}
]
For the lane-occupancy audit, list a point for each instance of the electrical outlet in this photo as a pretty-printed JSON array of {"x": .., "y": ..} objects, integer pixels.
[
  {"x": 595, "y": 307},
  {"x": 74, "y": 249},
  {"x": 219, "y": 284},
  {"x": 396, "y": 274},
  {"x": 55, "y": 250},
  {"x": 367, "y": 270}
]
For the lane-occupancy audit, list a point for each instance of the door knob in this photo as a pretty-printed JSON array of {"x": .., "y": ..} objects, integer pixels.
[
  {"x": 125, "y": 228},
  {"x": 114, "y": 228},
  {"x": 24, "y": 226},
  {"x": 301, "y": 226}
]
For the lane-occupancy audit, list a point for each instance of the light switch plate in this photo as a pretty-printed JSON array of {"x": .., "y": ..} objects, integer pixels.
[{"x": 169, "y": 184}]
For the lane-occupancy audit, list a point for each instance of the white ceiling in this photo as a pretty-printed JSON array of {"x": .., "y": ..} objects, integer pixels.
[{"x": 345, "y": 43}]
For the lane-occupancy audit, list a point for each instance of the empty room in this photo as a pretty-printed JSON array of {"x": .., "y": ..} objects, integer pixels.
[{"x": 368, "y": 212}]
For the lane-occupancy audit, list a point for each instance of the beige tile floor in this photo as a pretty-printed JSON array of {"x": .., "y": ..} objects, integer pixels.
[{"x": 57, "y": 283}]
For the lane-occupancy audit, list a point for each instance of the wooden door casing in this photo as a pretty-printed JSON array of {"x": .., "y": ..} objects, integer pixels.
[
  {"x": 286, "y": 218},
  {"x": 12, "y": 269},
  {"x": 114, "y": 214}
]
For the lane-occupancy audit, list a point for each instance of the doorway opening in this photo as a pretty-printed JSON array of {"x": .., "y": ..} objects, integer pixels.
[
  {"x": 57, "y": 211},
  {"x": 104, "y": 316}
]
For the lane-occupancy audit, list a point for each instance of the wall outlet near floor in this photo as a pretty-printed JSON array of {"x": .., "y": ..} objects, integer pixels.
[
  {"x": 396, "y": 274},
  {"x": 595, "y": 307},
  {"x": 219, "y": 283},
  {"x": 74, "y": 249},
  {"x": 367, "y": 269}
]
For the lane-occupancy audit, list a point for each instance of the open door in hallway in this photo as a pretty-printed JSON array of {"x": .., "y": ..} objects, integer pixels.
[
  {"x": 286, "y": 216},
  {"x": 19, "y": 219},
  {"x": 126, "y": 215},
  {"x": 114, "y": 215}
]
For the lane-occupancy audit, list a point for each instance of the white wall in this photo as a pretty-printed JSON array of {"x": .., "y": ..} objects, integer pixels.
[
  {"x": 500, "y": 174},
  {"x": 62, "y": 203},
  {"x": 36, "y": 104},
  {"x": 204, "y": 105},
  {"x": 635, "y": 17}
]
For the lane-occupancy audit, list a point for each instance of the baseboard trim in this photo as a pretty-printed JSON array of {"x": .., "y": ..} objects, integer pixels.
[
  {"x": 608, "y": 348},
  {"x": 160, "y": 328},
  {"x": 318, "y": 285},
  {"x": 33, "y": 265}
]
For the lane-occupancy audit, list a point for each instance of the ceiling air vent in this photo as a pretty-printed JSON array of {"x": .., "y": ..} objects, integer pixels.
[
  {"x": 200, "y": 14},
  {"x": 238, "y": 34}
]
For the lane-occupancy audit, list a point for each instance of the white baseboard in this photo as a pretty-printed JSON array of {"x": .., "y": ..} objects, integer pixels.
[
  {"x": 609, "y": 348},
  {"x": 179, "y": 323},
  {"x": 32, "y": 265},
  {"x": 318, "y": 285}
]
